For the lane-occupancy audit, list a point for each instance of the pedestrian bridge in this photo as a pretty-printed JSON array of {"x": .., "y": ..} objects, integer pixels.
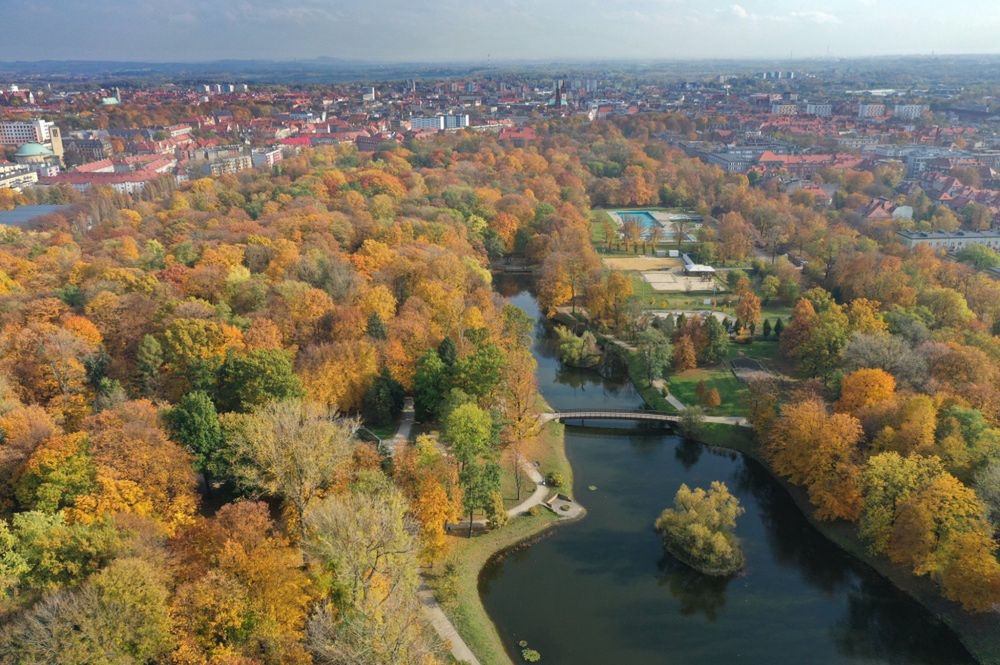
[{"x": 624, "y": 414}]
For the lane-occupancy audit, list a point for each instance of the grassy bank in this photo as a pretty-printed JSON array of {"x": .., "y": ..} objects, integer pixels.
[{"x": 469, "y": 555}]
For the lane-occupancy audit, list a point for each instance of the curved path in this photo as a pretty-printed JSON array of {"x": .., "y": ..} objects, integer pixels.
[
  {"x": 612, "y": 414},
  {"x": 432, "y": 610}
]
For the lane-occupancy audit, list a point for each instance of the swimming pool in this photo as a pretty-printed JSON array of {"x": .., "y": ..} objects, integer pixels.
[{"x": 644, "y": 218}]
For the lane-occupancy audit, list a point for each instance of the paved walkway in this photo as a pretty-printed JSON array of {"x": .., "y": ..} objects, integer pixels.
[
  {"x": 661, "y": 386},
  {"x": 403, "y": 431},
  {"x": 445, "y": 628},
  {"x": 432, "y": 610}
]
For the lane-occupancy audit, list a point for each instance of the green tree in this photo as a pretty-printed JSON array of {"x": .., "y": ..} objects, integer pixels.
[
  {"x": 194, "y": 423},
  {"x": 248, "y": 380},
  {"x": 383, "y": 400},
  {"x": 480, "y": 482},
  {"x": 376, "y": 327},
  {"x": 119, "y": 616},
  {"x": 655, "y": 351},
  {"x": 12, "y": 564},
  {"x": 60, "y": 470},
  {"x": 447, "y": 352},
  {"x": 148, "y": 363},
  {"x": 717, "y": 341},
  {"x": 58, "y": 553},
  {"x": 479, "y": 372},
  {"x": 469, "y": 430},
  {"x": 431, "y": 383}
]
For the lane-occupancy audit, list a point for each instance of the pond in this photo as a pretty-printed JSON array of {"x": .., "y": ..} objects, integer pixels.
[{"x": 603, "y": 591}]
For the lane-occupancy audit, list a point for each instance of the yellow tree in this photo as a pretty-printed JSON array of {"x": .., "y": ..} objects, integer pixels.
[{"x": 864, "y": 388}]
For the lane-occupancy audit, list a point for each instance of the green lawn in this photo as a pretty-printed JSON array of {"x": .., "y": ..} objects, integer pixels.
[{"x": 732, "y": 391}]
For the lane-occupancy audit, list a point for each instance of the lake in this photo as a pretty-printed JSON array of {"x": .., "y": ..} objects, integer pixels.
[{"x": 602, "y": 590}]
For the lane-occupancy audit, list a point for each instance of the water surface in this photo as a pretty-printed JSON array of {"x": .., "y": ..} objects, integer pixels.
[{"x": 602, "y": 591}]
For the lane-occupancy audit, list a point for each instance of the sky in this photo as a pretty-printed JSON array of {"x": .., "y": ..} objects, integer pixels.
[{"x": 492, "y": 30}]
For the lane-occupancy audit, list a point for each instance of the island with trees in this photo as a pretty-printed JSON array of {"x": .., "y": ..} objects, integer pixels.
[{"x": 699, "y": 529}]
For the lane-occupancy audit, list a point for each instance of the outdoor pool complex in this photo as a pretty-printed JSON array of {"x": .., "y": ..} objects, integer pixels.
[{"x": 643, "y": 217}]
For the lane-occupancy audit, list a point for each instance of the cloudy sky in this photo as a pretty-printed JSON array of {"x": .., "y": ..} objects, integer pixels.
[{"x": 449, "y": 30}]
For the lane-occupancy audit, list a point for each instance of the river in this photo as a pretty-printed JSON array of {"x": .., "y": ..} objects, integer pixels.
[{"x": 602, "y": 591}]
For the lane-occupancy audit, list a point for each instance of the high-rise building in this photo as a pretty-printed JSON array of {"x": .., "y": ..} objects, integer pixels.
[
  {"x": 17, "y": 132},
  {"x": 910, "y": 111},
  {"x": 871, "y": 110}
]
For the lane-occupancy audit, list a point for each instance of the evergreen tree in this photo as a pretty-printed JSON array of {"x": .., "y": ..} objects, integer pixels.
[
  {"x": 194, "y": 422},
  {"x": 447, "y": 352},
  {"x": 767, "y": 328},
  {"x": 383, "y": 400},
  {"x": 376, "y": 327},
  {"x": 718, "y": 341},
  {"x": 148, "y": 361}
]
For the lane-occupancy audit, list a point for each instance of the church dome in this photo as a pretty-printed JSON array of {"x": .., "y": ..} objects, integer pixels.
[{"x": 33, "y": 150}]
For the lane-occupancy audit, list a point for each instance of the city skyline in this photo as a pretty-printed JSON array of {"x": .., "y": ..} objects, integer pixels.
[{"x": 505, "y": 30}]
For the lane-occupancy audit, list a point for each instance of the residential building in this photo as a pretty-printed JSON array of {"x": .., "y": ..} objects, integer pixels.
[
  {"x": 229, "y": 165},
  {"x": 17, "y": 176},
  {"x": 951, "y": 241},
  {"x": 910, "y": 111},
  {"x": 871, "y": 110},
  {"x": 266, "y": 158}
]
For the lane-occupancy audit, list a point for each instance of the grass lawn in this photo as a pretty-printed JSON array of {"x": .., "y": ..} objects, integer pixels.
[
  {"x": 548, "y": 449},
  {"x": 684, "y": 387}
]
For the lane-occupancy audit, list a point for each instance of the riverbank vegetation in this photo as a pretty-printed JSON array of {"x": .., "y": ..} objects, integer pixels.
[
  {"x": 699, "y": 529},
  {"x": 159, "y": 356}
]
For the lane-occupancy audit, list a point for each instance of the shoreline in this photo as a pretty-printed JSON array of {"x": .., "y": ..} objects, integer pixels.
[
  {"x": 470, "y": 556},
  {"x": 975, "y": 632},
  {"x": 980, "y": 639}
]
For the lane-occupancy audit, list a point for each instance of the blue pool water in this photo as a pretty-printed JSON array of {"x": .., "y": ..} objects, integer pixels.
[{"x": 646, "y": 219}]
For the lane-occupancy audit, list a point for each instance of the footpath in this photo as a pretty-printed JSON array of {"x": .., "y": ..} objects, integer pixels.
[{"x": 439, "y": 621}]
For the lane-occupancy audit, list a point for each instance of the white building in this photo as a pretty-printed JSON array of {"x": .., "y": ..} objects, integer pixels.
[
  {"x": 439, "y": 123},
  {"x": 910, "y": 111},
  {"x": 821, "y": 110},
  {"x": 267, "y": 158},
  {"x": 16, "y": 176},
  {"x": 950, "y": 241},
  {"x": 18, "y": 132},
  {"x": 871, "y": 110}
]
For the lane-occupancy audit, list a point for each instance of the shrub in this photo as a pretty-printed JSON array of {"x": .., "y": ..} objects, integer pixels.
[{"x": 530, "y": 655}]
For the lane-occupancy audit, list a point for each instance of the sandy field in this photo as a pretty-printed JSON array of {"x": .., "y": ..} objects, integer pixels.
[
  {"x": 641, "y": 263},
  {"x": 677, "y": 282}
]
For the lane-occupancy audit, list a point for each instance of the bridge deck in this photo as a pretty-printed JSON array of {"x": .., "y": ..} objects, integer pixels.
[{"x": 611, "y": 414}]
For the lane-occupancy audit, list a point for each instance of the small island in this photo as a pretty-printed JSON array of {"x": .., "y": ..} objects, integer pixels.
[{"x": 698, "y": 530}]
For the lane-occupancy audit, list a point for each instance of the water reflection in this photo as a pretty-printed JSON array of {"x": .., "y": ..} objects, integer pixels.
[
  {"x": 696, "y": 593},
  {"x": 688, "y": 452}
]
